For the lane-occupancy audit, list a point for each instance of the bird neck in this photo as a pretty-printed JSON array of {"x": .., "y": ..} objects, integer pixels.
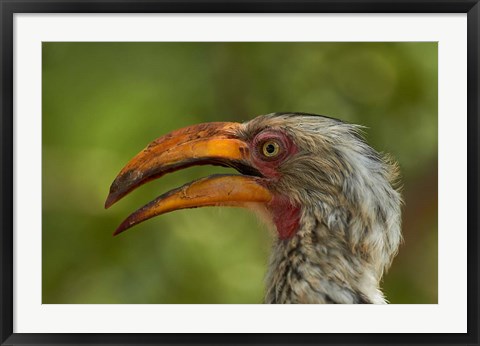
[{"x": 318, "y": 265}]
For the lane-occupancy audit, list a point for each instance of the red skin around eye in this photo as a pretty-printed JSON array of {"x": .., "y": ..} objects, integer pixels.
[{"x": 269, "y": 166}]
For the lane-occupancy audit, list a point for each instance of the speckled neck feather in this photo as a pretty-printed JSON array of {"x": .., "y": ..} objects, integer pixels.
[{"x": 314, "y": 267}]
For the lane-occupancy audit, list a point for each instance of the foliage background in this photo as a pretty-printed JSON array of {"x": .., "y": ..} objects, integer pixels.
[{"x": 103, "y": 102}]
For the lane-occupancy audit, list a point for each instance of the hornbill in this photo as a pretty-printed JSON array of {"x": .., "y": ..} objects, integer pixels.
[{"x": 331, "y": 199}]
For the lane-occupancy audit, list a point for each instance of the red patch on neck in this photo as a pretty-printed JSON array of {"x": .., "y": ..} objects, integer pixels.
[{"x": 286, "y": 216}]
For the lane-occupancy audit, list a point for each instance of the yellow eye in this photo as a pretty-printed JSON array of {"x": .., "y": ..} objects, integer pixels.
[{"x": 270, "y": 149}]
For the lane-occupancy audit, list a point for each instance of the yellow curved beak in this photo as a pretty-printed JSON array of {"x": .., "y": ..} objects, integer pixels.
[{"x": 209, "y": 143}]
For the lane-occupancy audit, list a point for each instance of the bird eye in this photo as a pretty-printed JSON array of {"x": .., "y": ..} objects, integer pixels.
[{"x": 270, "y": 149}]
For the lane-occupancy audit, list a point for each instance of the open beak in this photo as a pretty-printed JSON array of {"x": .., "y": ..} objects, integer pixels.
[{"x": 203, "y": 144}]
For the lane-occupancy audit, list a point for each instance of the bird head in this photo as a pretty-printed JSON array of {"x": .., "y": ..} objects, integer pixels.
[{"x": 294, "y": 168}]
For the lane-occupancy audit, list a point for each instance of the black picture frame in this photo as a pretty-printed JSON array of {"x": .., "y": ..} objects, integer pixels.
[{"x": 10, "y": 7}]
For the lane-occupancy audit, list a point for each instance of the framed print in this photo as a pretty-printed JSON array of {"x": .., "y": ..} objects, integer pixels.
[{"x": 335, "y": 144}]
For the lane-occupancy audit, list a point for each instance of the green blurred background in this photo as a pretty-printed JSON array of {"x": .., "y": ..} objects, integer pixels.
[{"x": 103, "y": 102}]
